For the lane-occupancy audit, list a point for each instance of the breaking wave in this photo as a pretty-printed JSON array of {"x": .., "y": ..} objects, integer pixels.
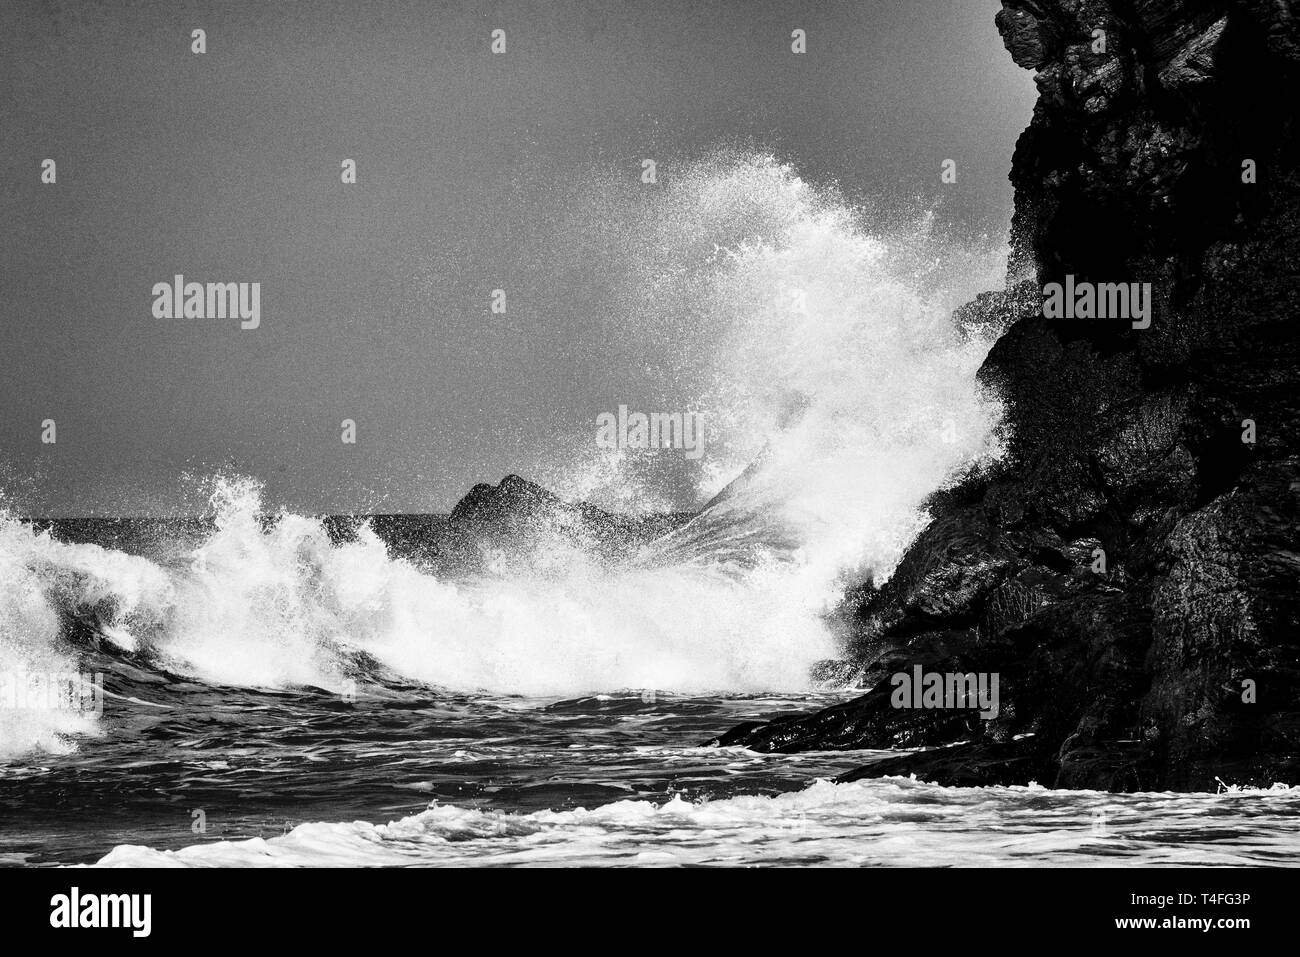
[{"x": 838, "y": 395}]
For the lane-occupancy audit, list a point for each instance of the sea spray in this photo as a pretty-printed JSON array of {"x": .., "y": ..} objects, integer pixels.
[
  {"x": 277, "y": 603},
  {"x": 30, "y": 643},
  {"x": 838, "y": 392},
  {"x": 838, "y": 395}
]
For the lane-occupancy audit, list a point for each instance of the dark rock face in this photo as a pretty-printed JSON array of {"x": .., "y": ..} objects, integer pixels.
[{"x": 1132, "y": 572}]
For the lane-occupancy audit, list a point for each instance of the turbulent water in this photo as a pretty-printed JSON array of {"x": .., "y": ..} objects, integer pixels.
[
  {"x": 273, "y": 694},
  {"x": 410, "y": 776}
]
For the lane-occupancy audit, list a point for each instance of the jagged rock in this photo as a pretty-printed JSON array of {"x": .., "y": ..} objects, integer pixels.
[
  {"x": 957, "y": 562},
  {"x": 516, "y": 527},
  {"x": 1027, "y": 34},
  {"x": 1194, "y": 63},
  {"x": 1227, "y": 613},
  {"x": 517, "y": 518},
  {"x": 994, "y": 312},
  {"x": 871, "y": 717},
  {"x": 1171, "y": 26}
]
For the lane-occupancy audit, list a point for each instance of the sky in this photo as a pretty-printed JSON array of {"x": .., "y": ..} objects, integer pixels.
[{"x": 475, "y": 171}]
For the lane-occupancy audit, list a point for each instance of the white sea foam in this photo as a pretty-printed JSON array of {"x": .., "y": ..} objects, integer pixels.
[
  {"x": 38, "y": 578},
  {"x": 284, "y": 606},
  {"x": 891, "y": 821}
]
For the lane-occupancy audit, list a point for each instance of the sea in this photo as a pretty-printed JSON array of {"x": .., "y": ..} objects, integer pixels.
[{"x": 269, "y": 686}]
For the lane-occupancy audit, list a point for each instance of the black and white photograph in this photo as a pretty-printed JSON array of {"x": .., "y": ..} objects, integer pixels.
[{"x": 574, "y": 435}]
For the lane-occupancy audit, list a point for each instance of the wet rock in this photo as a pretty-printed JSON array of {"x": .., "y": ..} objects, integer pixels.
[
  {"x": 982, "y": 764},
  {"x": 518, "y": 526},
  {"x": 1226, "y": 648},
  {"x": 1027, "y": 33},
  {"x": 1195, "y": 62}
]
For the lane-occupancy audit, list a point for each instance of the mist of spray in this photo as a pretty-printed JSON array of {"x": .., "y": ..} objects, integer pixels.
[{"x": 837, "y": 395}]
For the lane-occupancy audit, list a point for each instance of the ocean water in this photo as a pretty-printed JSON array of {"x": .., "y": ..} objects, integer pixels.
[
  {"x": 275, "y": 694},
  {"x": 412, "y": 777}
]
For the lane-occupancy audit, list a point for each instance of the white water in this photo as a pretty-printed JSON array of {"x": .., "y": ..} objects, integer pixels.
[
  {"x": 825, "y": 348},
  {"x": 37, "y": 577},
  {"x": 814, "y": 337},
  {"x": 892, "y": 821}
]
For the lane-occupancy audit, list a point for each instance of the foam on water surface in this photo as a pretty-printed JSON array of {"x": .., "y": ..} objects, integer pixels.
[{"x": 887, "y": 822}]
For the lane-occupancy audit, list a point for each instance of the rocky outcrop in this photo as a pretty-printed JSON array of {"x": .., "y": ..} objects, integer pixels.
[
  {"x": 515, "y": 527},
  {"x": 520, "y": 526},
  {"x": 1132, "y": 570}
]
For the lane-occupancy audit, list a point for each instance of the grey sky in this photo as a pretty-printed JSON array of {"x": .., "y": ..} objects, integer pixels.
[{"x": 225, "y": 166}]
